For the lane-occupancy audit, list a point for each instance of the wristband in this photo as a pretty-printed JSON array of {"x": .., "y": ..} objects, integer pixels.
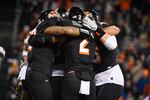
[{"x": 99, "y": 32}]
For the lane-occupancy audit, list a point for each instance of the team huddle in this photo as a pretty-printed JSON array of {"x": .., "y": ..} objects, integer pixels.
[{"x": 71, "y": 55}]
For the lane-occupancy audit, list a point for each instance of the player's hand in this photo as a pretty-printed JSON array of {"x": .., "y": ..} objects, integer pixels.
[
  {"x": 89, "y": 23},
  {"x": 112, "y": 30}
]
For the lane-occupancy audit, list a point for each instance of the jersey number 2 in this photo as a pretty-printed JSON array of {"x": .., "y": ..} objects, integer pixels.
[{"x": 82, "y": 49}]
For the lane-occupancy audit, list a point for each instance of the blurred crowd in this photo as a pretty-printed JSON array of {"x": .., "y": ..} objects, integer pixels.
[{"x": 131, "y": 16}]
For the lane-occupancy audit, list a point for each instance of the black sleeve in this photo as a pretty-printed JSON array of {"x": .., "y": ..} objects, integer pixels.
[
  {"x": 40, "y": 40},
  {"x": 64, "y": 22},
  {"x": 43, "y": 25},
  {"x": 67, "y": 22}
]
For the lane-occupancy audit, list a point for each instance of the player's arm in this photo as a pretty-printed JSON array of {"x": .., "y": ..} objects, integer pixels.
[
  {"x": 43, "y": 25},
  {"x": 104, "y": 35},
  {"x": 111, "y": 30},
  {"x": 69, "y": 31},
  {"x": 62, "y": 30},
  {"x": 42, "y": 39},
  {"x": 91, "y": 24},
  {"x": 110, "y": 42},
  {"x": 67, "y": 27}
]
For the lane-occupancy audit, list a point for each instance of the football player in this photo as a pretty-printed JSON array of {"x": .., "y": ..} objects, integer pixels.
[
  {"x": 40, "y": 62},
  {"x": 109, "y": 76}
]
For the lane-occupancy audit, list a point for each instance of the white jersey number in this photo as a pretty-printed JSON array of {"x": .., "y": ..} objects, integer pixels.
[{"x": 82, "y": 49}]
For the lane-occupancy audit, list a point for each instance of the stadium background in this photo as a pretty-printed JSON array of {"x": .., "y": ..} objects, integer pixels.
[{"x": 18, "y": 17}]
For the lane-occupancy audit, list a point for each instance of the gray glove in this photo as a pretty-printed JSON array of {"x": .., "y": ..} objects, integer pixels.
[{"x": 89, "y": 23}]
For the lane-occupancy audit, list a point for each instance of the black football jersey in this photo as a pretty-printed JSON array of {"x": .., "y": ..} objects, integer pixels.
[
  {"x": 107, "y": 58},
  {"x": 49, "y": 22},
  {"x": 67, "y": 22},
  {"x": 41, "y": 57},
  {"x": 79, "y": 53},
  {"x": 59, "y": 57}
]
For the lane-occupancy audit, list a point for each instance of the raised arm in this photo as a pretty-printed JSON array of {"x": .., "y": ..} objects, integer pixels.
[
  {"x": 110, "y": 42},
  {"x": 111, "y": 30},
  {"x": 106, "y": 35}
]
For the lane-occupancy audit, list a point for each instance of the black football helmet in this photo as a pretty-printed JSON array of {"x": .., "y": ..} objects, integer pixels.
[
  {"x": 75, "y": 13},
  {"x": 62, "y": 12},
  {"x": 44, "y": 14}
]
